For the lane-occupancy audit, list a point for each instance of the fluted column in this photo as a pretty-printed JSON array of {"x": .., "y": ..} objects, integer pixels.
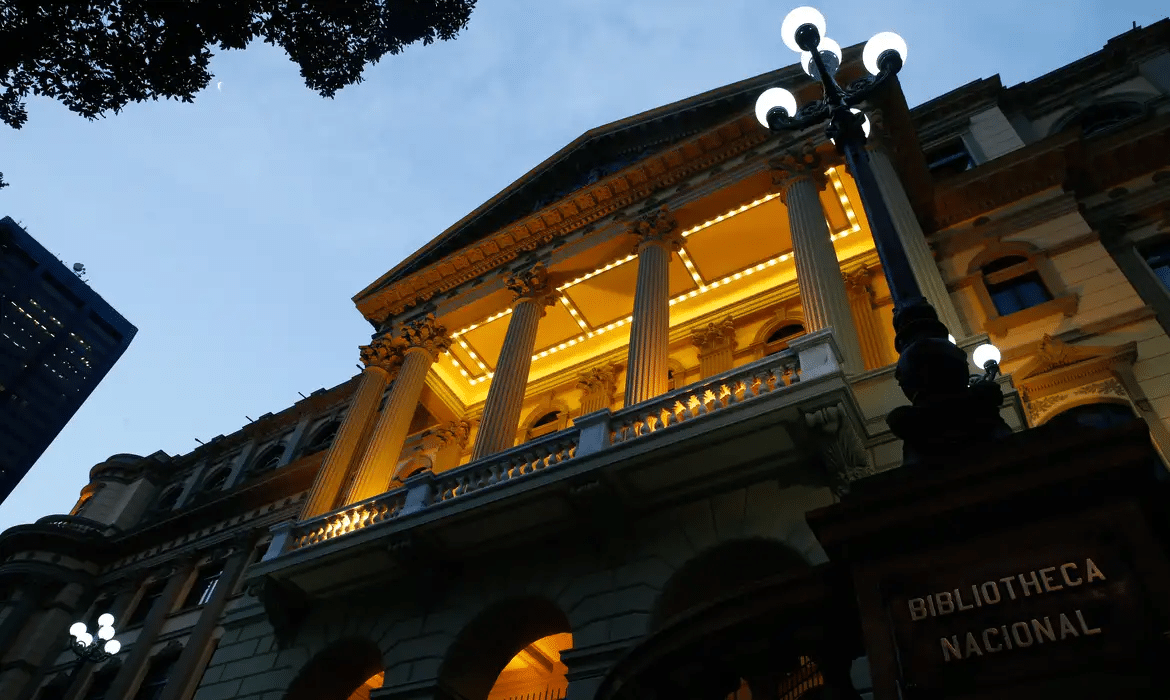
[
  {"x": 505, "y": 399},
  {"x": 419, "y": 345},
  {"x": 647, "y": 367},
  {"x": 874, "y": 348},
  {"x": 801, "y": 176},
  {"x": 910, "y": 233},
  {"x": 382, "y": 363}
]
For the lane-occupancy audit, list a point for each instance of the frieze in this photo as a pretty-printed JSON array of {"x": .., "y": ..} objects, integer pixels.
[
  {"x": 1040, "y": 408},
  {"x": 613, "y": 194}
]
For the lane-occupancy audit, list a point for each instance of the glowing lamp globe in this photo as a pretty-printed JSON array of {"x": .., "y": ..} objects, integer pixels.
[
  {"x": 827, "y": 46},
  {"x": 797, "y": 18},
  {"x": 952, "y": 339},
  {"x": 878, "y": 45},
  {"x": 84, "y": 638},
  {"x": 774, "y": 97},
  {"x": 106, "y": 620},
  {"x": 105, "y": 633},
  {"x": 112, "y": 647},
  {"x": 986, "y": 353},
  {"x": 77, "y": 629}
]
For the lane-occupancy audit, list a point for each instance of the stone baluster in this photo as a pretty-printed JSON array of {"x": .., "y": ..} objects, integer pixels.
[
  {"x": 419, "y": 344},
  {"x": 874, "y": 348},
  {"x": 647, "y": 367},
  {"x": 800, "y": 174},
  {"x": 716, "y": 344},
  {"x": 382, "y": 364},
  {"x": 505, "y": 399},
  {"x": 921, "y": 258}
]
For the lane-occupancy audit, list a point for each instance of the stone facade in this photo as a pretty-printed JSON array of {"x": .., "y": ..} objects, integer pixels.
[{"x": 365, "y": 550}]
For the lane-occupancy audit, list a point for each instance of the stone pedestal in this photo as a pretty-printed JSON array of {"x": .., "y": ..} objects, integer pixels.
[{"x": 1035, "y": 568}]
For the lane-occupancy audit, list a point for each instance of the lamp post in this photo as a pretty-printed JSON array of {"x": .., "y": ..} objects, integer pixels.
[
  {"x": 950, "y": 409},
  {"x": 90, "y": 649}
]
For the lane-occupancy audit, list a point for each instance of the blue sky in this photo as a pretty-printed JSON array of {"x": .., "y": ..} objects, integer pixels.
[{"x": 234, "y": 231}]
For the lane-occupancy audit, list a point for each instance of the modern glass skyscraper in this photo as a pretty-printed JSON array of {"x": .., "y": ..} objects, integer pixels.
[{"x": 58, "y": 338}]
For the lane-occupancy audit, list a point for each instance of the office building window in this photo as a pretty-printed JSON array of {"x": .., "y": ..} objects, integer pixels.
[
  {"x": 152, "y": 593},
  {"x": 950, "y": 158}
]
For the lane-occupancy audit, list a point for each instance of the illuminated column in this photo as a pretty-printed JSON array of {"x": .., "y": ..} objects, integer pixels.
[
  {"x": 505, "y": 399},
  {"x": 873, "y": 343},
  {"x": 382, "y": 364},
  {"x": 921, "y": 258},
  {"x": 646, "y": 367},
  {"x": 801, "y": 176},
  {"x": 419, "y": 344}
]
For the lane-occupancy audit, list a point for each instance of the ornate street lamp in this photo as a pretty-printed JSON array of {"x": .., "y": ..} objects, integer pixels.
[
  {"x": 949, "y": 409},
  {"x": 94, "y": 650}
]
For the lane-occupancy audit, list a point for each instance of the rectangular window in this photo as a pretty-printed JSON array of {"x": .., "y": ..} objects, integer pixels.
[
  {"x": 155, "y": 680},
  {"x": 1158, "y": 258},
  {"x": 204, "y": 586},
  {"x": 152, "y": 593},
  {"x": 1018, "y": 293},
  {"x": 950, "y": 158}
]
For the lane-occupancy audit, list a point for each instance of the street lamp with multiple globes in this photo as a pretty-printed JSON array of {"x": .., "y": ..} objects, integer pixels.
[
  {"x": 94, "y": 650},
  {"x": 950, "y": 409}
]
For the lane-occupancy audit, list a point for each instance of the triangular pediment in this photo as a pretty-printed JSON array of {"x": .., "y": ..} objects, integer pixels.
[
  {"x": 1057, "y": 363},
  {"x": 594, "y": 155}
]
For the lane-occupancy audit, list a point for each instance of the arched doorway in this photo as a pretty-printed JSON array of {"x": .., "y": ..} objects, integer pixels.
[
  {"x": 510, "y": 651},
  {"x": 346, "y": 670}
]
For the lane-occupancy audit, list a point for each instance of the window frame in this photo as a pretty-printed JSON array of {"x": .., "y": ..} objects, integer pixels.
[{"x": 1034, "y": 262}]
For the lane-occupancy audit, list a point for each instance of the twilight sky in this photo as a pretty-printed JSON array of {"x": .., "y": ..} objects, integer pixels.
[{"x": 234, "y": 231}]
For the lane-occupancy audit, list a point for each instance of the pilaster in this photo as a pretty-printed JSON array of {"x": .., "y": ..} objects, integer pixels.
[
  {"x": 874, "y": 348},
  {"x": 716, "y": 344},
  {"x": 597, "y": 386}
]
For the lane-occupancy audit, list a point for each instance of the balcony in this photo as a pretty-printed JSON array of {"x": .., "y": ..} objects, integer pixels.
[{"x": 750, "y": 423}]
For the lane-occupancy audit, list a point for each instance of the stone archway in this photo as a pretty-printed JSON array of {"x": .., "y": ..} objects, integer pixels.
[
  {"x": 721, "y": 570},
  {"x": 523, "y": 633},
  {"x": 345, "y": 670}
]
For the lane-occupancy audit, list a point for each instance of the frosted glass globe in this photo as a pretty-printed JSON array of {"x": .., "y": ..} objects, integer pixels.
[
  {"x": 106, "y": 620},
  {"x": 879, "y": 44},
  {"x": 774, "y": 97},
  {"x": 113, "y": 647},
  {"x": 105, "y": 633},
  {"x": 85, "y": 638},
  {"x": 806, "y": 57},
  {"x": 986, "y": 353},
  {"x": 794, "y": 20},
  {"x": 77, "y": 629}
]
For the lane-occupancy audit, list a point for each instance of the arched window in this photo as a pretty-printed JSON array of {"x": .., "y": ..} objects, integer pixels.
[
  {"x": 1099, "y": 416},
  {"x": 1103, "y": 117},
  {"x": 323, "y": 438},
  {"x": 217, "y": 479},
  {"x": 169, "y": 498},
  {"x": 778, "y": 339},
  {"x": 1014, "y": 284},
  {"x": 549, "y": 422},
  {"x": 268, "y": 460}
]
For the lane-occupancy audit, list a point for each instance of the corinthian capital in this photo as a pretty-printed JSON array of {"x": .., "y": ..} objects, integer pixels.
[
  {"x": 860, "y": 280},
  {"x": 658, "y": 228},
  {"x": 801, "y": 162},
  {"x": 384, "y": 353},
  {"x": 425, "y": 333},
  {"x": 715, "y": 336},
  {"x": 531, "y": 283}
]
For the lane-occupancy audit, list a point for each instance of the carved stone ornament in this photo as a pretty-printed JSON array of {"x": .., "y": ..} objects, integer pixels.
[
  {"x": 453, "y": 433},
  {"x": 531, "y": 283},
  {"x": 658, "y": 228},
  {"x": 382, "y": 352},
  {"x": 797, "y": 163},
  {"x": 860, "y": 281},
  {"x": 715, "y": 336},
  {"x": 842, "y": 451},
  {"x": 1040, "y": 409},
  {"x": 426, "y": 333},
  {"x": 597, "y": 379}
]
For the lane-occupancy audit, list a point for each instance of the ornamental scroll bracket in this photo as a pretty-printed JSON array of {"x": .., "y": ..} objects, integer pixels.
[{"x": 842, "y": 451}]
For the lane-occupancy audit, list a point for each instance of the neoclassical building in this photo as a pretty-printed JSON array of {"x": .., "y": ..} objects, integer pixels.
[{"x": 605, "y": 410}]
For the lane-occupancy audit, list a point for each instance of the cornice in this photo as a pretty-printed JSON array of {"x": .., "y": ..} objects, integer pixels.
[
  {"x": 952, "y": 241},
  {"x": 587, "y": 205}
]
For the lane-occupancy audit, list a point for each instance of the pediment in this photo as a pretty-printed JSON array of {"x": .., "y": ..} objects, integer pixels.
[{"x": 1057, "y": 364}]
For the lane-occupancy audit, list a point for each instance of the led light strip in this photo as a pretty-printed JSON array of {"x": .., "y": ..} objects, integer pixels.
[
  {"x": 598, "y": 271},
  {"x": 686, "y": 259},
  {"x": 728, "y": 215},
  {"x": 487, "y": 320},
  {"x": 568, "y": 304}
]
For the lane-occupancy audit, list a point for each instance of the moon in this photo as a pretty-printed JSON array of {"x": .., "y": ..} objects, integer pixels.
[{"x": 219, "y": 86}]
